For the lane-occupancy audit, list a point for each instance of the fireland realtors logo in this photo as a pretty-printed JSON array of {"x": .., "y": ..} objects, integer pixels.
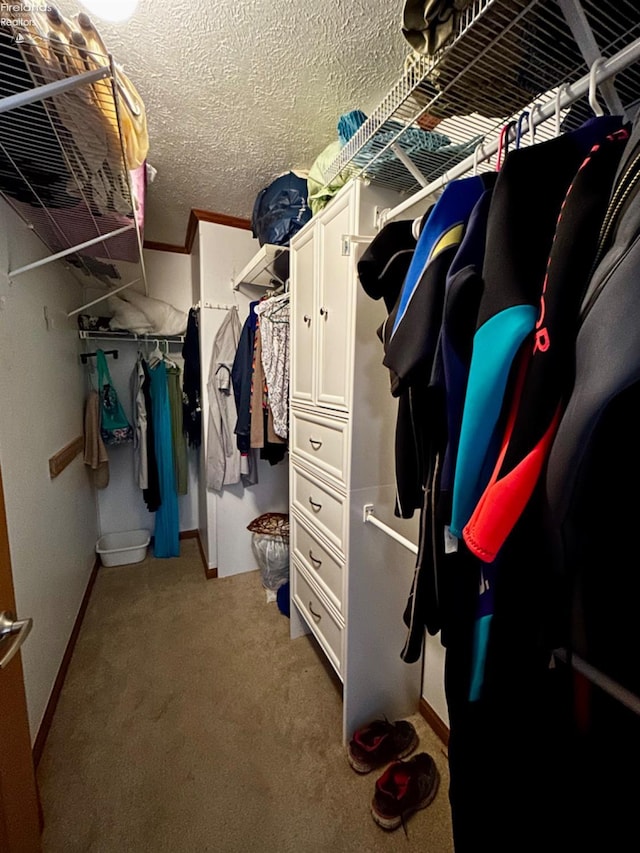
[{"x": 17, "y": 15}]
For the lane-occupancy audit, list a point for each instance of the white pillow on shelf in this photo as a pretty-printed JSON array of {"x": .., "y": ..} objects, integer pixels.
[
  {"x": 164, "y": 318},
  {"x": 128, "y": 317}
]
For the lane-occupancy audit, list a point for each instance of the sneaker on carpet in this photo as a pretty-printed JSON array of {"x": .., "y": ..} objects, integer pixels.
[
  {"x": 379, "y": 743},
  {"x": 404, "y": 788}
]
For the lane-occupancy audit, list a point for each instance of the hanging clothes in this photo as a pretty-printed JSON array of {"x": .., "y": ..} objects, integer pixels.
[
  {"x": 514, "y": 269},
  {"x": 140, "y": 419},
  {"x": 506, "y": 709},
  {"x": 180, "y": 460},
  {"x": 95, "y": 457},
  {"x": 223, "y": 456},
  {"x": 590, "y": 484},
  {"x": 192, "y": 410},
  {"x": 241, "y": 375},
  {"x": 274, "y": 329},
  {"x": 151, "y": 493},
  {"x": 167, "y": 521},
  {"x": 263, "y": 435}
]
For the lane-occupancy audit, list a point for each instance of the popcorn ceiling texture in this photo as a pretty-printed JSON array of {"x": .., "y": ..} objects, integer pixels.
[{"x": 237, "y": 93}]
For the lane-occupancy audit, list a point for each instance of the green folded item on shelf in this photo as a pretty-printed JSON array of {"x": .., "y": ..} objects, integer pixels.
[{"x": 319, "y": 193}]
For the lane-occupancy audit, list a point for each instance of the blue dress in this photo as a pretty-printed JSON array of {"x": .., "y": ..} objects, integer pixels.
[{"x": 167, "y": 526}]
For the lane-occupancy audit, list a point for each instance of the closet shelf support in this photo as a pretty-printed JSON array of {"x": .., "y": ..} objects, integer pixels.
[
  {"x": 102, "y": 298},
  {"x": 71, "y": 251},
  {"x": 48, "y": 90},
  {"x": 577, "y": 22},
  {"x": 368, "y": 517},
  {"x": 570, "y": 93}
]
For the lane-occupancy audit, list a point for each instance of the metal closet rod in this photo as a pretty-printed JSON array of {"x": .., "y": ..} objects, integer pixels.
[
  {"x": 369, "y": 518},
  {"x": 567, "y": 95}
]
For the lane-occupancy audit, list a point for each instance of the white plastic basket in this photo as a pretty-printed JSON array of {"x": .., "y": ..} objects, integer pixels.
[{"x": 120, "y": 549}]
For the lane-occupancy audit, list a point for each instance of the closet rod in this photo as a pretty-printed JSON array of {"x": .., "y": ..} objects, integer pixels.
[
  {"x": 369, "y": 518},
  {"x": 85, "y": 356},
  {"x": 569, "y": 94},
  {"x": 615, "y": 690}
]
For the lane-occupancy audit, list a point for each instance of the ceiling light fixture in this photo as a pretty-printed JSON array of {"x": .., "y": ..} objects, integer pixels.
[{"x": 115, "y": 11}]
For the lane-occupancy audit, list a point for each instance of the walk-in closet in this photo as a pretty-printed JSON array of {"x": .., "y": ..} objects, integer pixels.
[{"x": 319, "y": 371}]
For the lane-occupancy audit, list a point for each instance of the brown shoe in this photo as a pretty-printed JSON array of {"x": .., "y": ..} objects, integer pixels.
[
  {"x": 404, "y": 788},
  {"x": 380, "y": 742}
]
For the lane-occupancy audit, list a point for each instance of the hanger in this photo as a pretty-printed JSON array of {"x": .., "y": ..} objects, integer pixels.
[
  {"x": 479, "y": 147},
  {"x": 561, "y": 88},
  {"x": 156, "y": 356},
  {"x": 524, "y": 116},
  {"x": 167, "y": 359},
  {"x": 504, "y": 143},
  {"x": 532, "y": 125},
  {"x": 593, "y": 100}
]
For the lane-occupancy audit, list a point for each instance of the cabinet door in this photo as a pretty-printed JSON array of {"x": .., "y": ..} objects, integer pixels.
[
  {"x": 336, "y": 282},
  {"x": 304, "y": 317}
]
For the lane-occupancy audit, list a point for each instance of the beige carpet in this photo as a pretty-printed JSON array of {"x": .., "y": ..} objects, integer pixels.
[{"x": 190, "y": 722}]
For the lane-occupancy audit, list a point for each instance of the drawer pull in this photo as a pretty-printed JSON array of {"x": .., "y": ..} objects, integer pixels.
[
  {"x": 315, "y": 443},
  {"x": 316, "y": 616},
  {"x": 316, "y": 507},
  {"x": 317, "y": 563}
]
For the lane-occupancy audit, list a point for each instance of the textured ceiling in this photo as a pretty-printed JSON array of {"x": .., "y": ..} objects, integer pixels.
[{"x": 236, "y": 94}]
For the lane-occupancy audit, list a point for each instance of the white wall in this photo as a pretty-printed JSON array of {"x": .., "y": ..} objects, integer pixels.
[
  {"x": 52, "y": 523},
  {"x": 224, "y": 251},
  {"x": 433, "y": 677}
]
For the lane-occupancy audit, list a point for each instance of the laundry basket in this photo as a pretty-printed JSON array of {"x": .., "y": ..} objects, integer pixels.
[
  {"x": 270, "y": 545},
  {"x": 121, "y": 549}
]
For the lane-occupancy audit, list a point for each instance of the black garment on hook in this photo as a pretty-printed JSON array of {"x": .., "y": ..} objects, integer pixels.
[{"x": 191, "y": 406}]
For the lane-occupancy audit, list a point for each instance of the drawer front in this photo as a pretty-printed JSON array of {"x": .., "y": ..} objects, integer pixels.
[
  {"x": 321, "y": 441},
  {"x": 323, "y": 568},
  {"x": 325, "y": 628},
  {"x": 322, "y": 507}
]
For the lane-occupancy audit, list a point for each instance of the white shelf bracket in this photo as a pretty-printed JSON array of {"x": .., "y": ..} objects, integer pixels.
[{"x": 348, "y": 239}]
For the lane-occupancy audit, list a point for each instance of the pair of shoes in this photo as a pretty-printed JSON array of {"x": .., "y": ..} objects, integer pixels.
[
  {"x": 405, "y": 787},
  {"x": 380, "y": 742}
]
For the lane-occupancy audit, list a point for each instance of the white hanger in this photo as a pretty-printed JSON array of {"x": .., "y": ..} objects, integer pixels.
[
  {"x": 476, "y": 151},
  {"x": 532, "y": 124},
  {"x": 561, "y": 87},
  {"x": 593, "y": 99},
  {"x": 156, "y": 356}
]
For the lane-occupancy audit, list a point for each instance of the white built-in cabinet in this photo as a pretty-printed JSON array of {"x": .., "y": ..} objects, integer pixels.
[{"x": 349, "y": 581}]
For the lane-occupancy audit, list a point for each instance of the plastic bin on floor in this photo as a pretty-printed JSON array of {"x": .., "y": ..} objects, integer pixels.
[{"x": 121, "y": 549}]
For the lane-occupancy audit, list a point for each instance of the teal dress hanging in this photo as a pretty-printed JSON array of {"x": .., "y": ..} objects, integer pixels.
[{"x": 167, "y": 523}]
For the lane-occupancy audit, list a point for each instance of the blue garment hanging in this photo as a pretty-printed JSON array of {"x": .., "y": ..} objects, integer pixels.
[{"x": 167, "y": 525}]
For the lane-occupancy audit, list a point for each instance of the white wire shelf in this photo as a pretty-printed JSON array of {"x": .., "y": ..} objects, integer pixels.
[
  {"x": 124, "y": 335},
  {"x": 503, "y": 56},
  {"x": 64, "y": 164}
]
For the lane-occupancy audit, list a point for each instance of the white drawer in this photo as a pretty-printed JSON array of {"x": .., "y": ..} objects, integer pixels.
[
  {"x": 323, "y": 568},
  {"x": 324, "y": 508},
  {"x": 322, "y": 441},
  {"x": 325, "y": 628}
]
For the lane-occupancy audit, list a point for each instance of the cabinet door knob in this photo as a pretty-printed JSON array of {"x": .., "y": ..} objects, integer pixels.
[
  {"x": 315, "y": 443},
  {"x": 316, "y": 562},
  {"x": 315, "y": 506},
  {"x": 307, "y": 319},
  {"x": 324, "y": 312},
  {"x": 316, "y": 616}
]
